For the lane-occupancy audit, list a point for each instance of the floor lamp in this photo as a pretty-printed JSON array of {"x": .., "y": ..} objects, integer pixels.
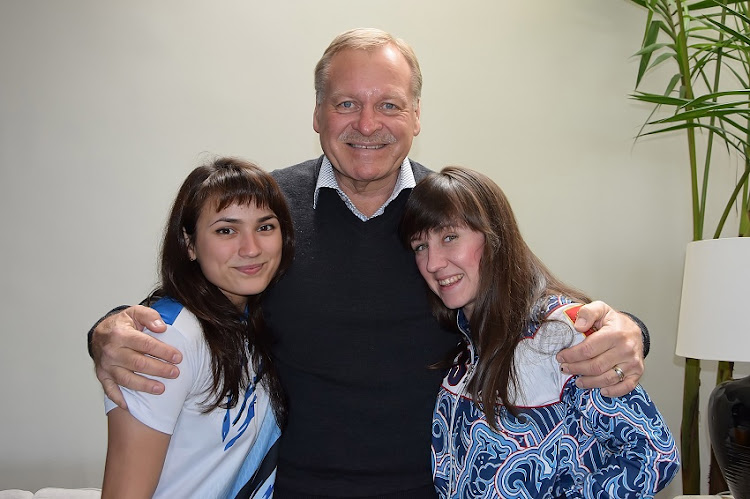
[{"x": 715, "y": 325}]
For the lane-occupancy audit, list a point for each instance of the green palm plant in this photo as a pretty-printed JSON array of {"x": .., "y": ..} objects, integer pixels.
[{"x": 707, "y": 42}]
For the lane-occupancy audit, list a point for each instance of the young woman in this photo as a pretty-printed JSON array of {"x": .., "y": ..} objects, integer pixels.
[
  {"x": 508, "y": 423},
  {"x": 212, "y": 433}
]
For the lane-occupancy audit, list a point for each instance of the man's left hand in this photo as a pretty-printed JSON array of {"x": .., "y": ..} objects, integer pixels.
[{"x": 611, "y": 358}]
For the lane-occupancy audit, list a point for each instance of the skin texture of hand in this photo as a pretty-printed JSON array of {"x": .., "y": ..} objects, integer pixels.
[
  {"x": 617, "y": 342},
  {"x": 118, "y": 346}
]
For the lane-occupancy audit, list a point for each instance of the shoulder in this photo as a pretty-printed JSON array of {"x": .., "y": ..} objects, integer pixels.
[
  {"x": 419, "y": 170},
  {"x": 299, "y": 173},
  {"x": 183, "y": 328},
  {"x": 550, "y": 329},
  {"x": 168, "y": 308},
  {"x": 559, "y": 308}
]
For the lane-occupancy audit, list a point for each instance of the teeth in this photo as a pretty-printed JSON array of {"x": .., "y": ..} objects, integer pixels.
[
  {"x": 362, "y": 146},
  {"x": 450, "y": 280}
]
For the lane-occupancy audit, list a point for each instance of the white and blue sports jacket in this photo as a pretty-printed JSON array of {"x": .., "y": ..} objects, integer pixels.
[{"x": 566, "y": 442}]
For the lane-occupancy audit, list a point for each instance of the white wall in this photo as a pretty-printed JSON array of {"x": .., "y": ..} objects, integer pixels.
[{"x": 105, "y": 106}]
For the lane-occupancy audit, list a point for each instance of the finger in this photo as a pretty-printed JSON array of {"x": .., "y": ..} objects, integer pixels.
[
  {"x": 134, "y": 361},
  {"x": 591, "y": 315},
  {"x": 602, "y": 365},
  {"x": 112, "y": 390},
  {"x": 149, "y": 345},
  {"x": 606, "y": 380},
  {"x": 146, "y": 317},
  {"x": 593, "y": 346},
  {"x": 597, "y": 366},
  {"x": 137, "y": 382},
  {"x": 620, "y": 389}
]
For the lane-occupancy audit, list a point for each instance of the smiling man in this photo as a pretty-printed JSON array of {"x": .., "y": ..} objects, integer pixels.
[
  {"x": 353, "y": 328},
  {"x": 367, "y": 115}
]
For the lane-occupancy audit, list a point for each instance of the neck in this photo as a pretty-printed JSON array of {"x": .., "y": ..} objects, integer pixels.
[{"x": 367, "y": 196}]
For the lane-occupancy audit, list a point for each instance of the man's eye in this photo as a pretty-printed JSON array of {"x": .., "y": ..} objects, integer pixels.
[
  {"x": 346, "y": 105},
  {"x": 389, "y": 106}
]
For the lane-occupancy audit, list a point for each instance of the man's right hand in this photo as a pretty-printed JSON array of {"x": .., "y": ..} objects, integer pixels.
[{"x": 120, "y": 349}]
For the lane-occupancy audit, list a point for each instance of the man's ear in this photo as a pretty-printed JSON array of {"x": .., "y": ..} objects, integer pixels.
[
  {"x": 316, "y": 125},
  {"x": 418, "y": 113}
]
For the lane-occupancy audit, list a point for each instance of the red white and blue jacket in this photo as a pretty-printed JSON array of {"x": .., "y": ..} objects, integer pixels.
[{"x": 566, "y": 442}]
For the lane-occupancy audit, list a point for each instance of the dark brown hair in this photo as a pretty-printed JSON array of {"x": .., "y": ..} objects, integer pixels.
[
  {"x": 511, "y": 278},
  {"x": 228, "y": 333}
]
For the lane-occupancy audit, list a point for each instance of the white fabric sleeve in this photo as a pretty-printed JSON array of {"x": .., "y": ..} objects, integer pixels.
[{"x": 160, "y": 412}]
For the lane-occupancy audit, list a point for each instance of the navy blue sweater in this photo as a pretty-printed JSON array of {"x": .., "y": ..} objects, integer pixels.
[{"x": 354, "y": 339}]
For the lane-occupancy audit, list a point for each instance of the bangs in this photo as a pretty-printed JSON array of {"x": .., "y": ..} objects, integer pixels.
[
  {"x": 435, "y": 204},
  {"x": 237, "y": 186}
]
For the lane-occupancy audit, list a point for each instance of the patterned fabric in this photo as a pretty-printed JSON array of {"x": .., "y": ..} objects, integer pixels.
[
  {"x": 565, "y": 442},
  {"x": 327, "y": 178}
]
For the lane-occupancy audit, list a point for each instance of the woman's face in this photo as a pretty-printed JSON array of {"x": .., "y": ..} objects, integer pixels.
[
  {"x": 237, "y": 248},
  {"x": 448, "y": 259}
]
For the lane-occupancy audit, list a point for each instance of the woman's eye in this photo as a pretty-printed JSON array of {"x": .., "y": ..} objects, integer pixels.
[
  {"x": 266, "y": 227},
  {"x": 419, "y": 247},
  {"x": 225, "y": 230},
  {"x": 450, "y": 237}
]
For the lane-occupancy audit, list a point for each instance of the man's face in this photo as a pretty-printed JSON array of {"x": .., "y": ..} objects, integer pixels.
[{"x": 367, "y": 117}]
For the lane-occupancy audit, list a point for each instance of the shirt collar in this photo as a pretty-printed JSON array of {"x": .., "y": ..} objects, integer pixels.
[
  {"x": 327, "y": 179},
  {"x": 463, "y": 322}
]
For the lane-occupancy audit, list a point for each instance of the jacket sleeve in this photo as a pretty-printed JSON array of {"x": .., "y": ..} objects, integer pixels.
[{"x": 625, "y": 448}]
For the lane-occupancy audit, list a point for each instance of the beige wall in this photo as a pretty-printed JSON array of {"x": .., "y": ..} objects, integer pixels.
[{"x": 105, "y": 106}]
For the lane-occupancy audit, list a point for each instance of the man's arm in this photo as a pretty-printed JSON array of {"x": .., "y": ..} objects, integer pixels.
[
  {"x": 120, "y": 350},
  {"x": 618, "y": 342}
]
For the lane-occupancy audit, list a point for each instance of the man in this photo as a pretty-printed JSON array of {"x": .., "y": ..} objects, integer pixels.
[{"x": 353, "y": 328}]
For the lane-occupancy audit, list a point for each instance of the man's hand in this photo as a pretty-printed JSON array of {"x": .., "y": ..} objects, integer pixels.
[
  {"x": 118, "y": 346},
  {"x": 616, "y": 343}
]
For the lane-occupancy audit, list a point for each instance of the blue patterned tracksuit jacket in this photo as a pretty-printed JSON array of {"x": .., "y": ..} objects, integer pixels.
[{"x": 566, "y": 442}]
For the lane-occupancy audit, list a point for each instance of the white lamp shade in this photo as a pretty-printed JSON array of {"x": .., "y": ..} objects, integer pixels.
[{"x": 715, "y": 307}]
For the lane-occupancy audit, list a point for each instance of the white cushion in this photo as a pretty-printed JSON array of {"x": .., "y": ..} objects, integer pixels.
[
  {"x": 53, "y": 493},
  {"x": 15, "y": 494}
]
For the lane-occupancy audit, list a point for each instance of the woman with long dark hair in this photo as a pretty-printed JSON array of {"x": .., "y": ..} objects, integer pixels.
[
  {"x": 508, "y": 423},
  {"x": 213, "y": 431}
]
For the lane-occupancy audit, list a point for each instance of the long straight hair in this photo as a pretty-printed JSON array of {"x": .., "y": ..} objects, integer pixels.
[
  {"x": 511, "y": 278},
  {"x": 229, "y": 334}
]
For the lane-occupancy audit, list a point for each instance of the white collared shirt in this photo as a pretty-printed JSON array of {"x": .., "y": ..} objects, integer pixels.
[{"x": 327, "y": 178}]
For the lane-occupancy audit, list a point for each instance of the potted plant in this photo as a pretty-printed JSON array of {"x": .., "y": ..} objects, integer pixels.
[{"x": 707, "y": 44}]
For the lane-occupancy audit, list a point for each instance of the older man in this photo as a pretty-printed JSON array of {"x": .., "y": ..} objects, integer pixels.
[{"x": 354, "y": 331}]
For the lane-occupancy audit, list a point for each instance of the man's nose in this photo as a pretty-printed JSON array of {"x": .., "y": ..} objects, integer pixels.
[{"x": 368, "y": 122}]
